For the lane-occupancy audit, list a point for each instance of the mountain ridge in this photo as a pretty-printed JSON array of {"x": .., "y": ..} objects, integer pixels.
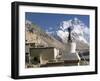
[{"x": 53, "y": 39}]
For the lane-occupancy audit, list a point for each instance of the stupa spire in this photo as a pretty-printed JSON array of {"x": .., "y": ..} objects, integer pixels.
[{"x": 69, "y": 37}]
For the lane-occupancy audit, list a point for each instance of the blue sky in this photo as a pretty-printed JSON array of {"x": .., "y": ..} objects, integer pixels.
[{"x": 48, "y": 20}]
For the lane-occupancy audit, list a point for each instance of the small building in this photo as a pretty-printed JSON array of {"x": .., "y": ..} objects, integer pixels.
[
  {"x": 43, "y": 55},
  {"x": 27, "y": 50}
]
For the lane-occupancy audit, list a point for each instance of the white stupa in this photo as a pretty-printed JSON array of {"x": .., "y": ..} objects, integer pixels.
[
  {"x": 71, "y": 44},
  {"x": 70, "y": 56}
]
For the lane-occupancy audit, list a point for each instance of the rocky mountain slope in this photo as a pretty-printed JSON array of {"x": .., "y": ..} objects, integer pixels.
[{"x": 34, "y": 34}]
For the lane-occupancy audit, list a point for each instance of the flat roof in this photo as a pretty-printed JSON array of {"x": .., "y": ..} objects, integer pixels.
[{"x": 43, "y": 48}]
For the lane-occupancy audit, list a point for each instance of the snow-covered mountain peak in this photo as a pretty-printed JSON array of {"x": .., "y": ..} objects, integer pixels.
[{"x": 79, "y": 31}]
